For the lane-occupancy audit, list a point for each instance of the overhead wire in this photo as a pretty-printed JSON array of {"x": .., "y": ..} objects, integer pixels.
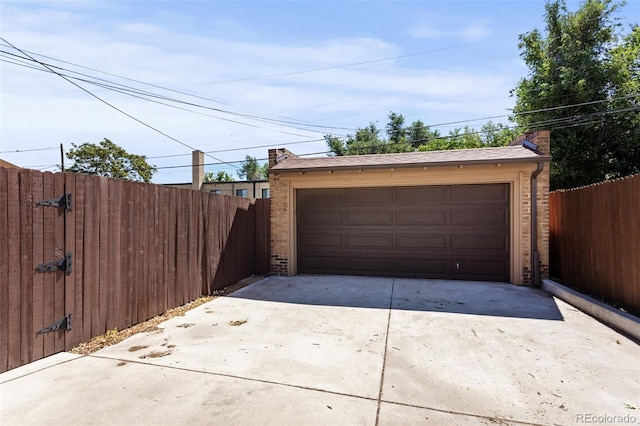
[
  {"x": 29, "y": 150},
  {"x": 565, "y": 122},
  {"x": 127, "y": 78},
  {"x": 353, "y": 64},
  {"x": 144, "y": 93},
  {"x": 110, "y": 86},
  {"x": 107, "y": 103}
]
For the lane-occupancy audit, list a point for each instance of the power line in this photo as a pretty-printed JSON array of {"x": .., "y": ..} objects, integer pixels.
[
  {"x": 372, "y": 61},
  {"x": 559, "y": 123},
  {"x": 127, "y": 78},
  {"x": 105, "y": 102},
  {"x": 144, "y": 93},
  {"x": 27, "y": 150},
  {"x": 124, "y": 88},
  {"x": 127, "y": 89}
]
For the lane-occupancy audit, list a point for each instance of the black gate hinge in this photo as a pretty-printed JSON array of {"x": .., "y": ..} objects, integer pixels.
[
  {"x": 63, "y": 324},
  {"x": 64, "y": 202},
  {"x": 63, "y": 264}
]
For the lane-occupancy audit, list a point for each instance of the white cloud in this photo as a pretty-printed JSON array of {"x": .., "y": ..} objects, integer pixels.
[
  {"x": 427, "y": 31},
  {"x": 40, "y": 110},
  {"x": 475, "y": 32},
  {"x": 470, "y": 33}
]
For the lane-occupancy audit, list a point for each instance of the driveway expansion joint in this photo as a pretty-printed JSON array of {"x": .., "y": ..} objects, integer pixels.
[
  {"x": 231, "y": 376},
  {"x": 384, "y": 359}
]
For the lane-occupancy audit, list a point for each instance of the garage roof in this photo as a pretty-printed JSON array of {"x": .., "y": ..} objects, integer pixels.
[{"x": 506, "y": 154}]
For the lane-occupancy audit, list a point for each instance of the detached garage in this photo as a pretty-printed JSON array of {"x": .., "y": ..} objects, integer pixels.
[{"x": 463, "y": 214}]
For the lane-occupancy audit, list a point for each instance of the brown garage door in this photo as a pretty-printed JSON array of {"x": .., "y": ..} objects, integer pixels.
[{"x": 450, "y": 232}]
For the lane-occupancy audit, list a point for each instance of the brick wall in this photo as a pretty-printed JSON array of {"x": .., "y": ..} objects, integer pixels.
[
  {"x": 542, "y": 138},
  {"x": 279, "y": 215}
]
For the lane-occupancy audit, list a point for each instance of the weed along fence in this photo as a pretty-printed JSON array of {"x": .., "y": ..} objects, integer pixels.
[
  {"x": 83, "y": 254},
  {"x": 595, "y": 240}
]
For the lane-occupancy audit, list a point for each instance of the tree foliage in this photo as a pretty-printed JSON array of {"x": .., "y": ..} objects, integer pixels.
[
  {"x": 219, "y": 176},
  {"x": 110, "y": 160},
  {"x": 583, "y": 85},
  {"x": 417, "y": 137},
  {"x": 252, "y": 170}
]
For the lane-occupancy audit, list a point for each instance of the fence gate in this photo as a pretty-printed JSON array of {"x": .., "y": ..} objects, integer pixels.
[
  {"x": 80, "y": 255},
  {"x": 34, "y": 267}
]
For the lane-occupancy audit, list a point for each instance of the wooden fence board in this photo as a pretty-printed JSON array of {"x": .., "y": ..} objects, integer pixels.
[
  {"x": 37, "y": 301},
  {"x": 59, "y": 253},
  {"x": 70, "y": 337},
  {"x": 196, "y": 287},
  {"x": 78, "y": 257},
  {"x": 114, "y": 287},
  {"x": 26, "y": 266},
  {"x": 156, "y": 259},
  {"x": 126, "y": 255},
  {"x": 4, "y": 271},
  {"x": 595, "y": 240},
  {"x": 163, "y": 240},
  {"x": 48, "y": 254},
  {"x": 193, "y": 264},
  {"x": 103, "y": 258},
  {"x": 142, "y": 285},
  {"x": 181, "y": 250},
  {"x": 91, "y": 258},
  {"x": 13, "y": 282}
]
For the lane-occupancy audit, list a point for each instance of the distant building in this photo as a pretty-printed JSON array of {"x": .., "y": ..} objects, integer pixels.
[
  {"x": 247, "y": 188},
  {"x": 251, "y": 188}
]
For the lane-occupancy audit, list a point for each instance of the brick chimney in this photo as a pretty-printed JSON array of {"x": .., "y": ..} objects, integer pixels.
[{"x": 197, "y": 170}]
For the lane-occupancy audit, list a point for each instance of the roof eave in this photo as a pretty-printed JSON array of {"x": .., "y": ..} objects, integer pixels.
[{"x": 533, "y": 160}]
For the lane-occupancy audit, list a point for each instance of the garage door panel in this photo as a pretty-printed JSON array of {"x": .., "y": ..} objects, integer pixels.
[
  {"x": 369, "y": 217},
  {"x": 450, "y": 232},
  {"x": 436, "y": 195},
  {"x": 477, "y": 269},
  {"x": 368, "y": 241},
  {"x": 320, "y": 217},
  {"x": 479, "y": 216},
  {"x": 372, "y": 196},
  {"x": 382, "y": 266},
  {"x": 321, "y": 197},
  {"x": 421, "y": 217},
  {"x": 479, "y": 242},
  {"x": 412, "y": 242},
  {"x": 432, "y": 268},
  {"x": 318, "y": 240}
]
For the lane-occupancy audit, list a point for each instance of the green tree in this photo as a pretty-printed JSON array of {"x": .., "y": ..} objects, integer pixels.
[
  {"x": 396, "y": 133},
  {"x": 497, "y": 134},
  {"x": 419, "y": 134},
  {"x": 458, "y": 138},
  {"x": 219, "y": 176},
  {"x": 583, "y": 85},
  {"x": 110, "y": 160},
  {"x": 367, "y": 140},
  {"x": 252, "y": 170}
]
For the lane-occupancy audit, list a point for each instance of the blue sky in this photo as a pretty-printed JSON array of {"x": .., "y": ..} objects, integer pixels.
[{"x": 253, "y": 61}]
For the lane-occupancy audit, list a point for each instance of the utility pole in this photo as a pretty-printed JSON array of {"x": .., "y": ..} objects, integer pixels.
[{"x": 62, "y": 158}]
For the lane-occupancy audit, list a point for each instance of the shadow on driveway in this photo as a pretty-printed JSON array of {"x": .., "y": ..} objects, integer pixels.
[{"x": 457, "y": 297}]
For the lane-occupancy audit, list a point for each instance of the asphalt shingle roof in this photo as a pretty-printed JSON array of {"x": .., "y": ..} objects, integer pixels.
[{"x": 506, "y": 154}]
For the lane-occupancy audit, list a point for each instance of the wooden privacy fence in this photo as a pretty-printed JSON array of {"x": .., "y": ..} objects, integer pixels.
[
  {"x": 595, "y": 240},
  {"x": 125, "y": 252}
]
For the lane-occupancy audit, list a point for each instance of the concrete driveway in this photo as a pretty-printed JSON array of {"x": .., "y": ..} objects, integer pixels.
[{"x": 346, "y": 350}]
